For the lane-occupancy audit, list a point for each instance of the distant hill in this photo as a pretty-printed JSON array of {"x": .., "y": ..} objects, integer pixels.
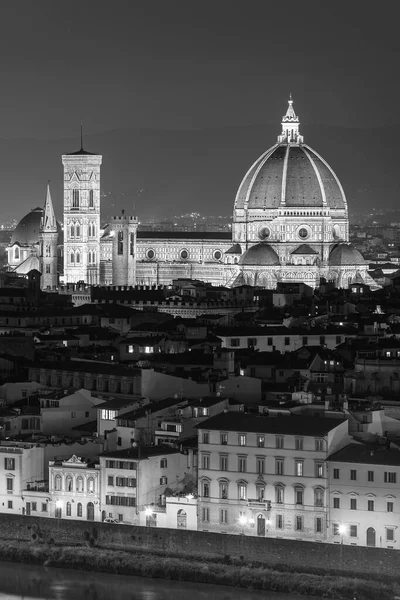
[{"x": 166, "y": 172}]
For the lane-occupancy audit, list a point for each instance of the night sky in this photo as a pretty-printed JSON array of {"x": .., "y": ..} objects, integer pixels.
[{"x": 181, "y": 97}]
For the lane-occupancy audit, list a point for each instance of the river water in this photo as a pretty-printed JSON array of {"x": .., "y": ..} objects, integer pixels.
[{"x": 28, "y": 582}]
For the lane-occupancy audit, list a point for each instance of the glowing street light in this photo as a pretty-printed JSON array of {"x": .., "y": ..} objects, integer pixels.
[
  {"x": 148, "y": 511},
  {"x": 242, "y": 522}
]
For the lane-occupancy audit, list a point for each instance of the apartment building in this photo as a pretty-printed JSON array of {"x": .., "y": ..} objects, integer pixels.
[
  {"x": 266, "y": 476},
  {"x": 364, "y": 503},
  {"x": 20, "y": 465},
  {"x": 140, "y": 477}
]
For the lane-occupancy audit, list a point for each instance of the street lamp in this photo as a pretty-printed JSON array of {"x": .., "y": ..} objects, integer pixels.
[
  {"x": 243, "y": 522},
  {"x": 148, "y": 511},
  {"x": 58, "y": 512},
  {"x": 342, "y": 531}
]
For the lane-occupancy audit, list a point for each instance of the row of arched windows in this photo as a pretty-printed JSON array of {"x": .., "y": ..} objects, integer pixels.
[
  {"x": 75, "y": 257},
  {"x": 76, "y": 199},
  {"x": 69, "y": 484},
  {"x": 75, "y": 230},
  {"x": 279, "y": 492}
]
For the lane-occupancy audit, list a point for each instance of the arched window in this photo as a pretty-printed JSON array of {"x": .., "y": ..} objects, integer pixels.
[
  {"x": 79, "y": 484},
  {"x": 318, "y": 497},
  {"x": 120, "y": 242},
  {"x": 91, "y": 199},
  {"x": 242, "y": 490},
  {"x": 131, "y": 244},
  {"x": 93, "y": 230},
  {"x": 48, "y": 250},
  {"x": 79, "y": 510},
  {"x": 223, "y": 490},
  {"x": 181, "y": 519},
  {"x": 72, "y": 257},
  {"x": 16, "y": 253},
  {"x": 68, "y": 483},
  {"x": 205, "y": 488},
  {"x": 93, "y": 257},
  {"x": 78, "y": 231},
  {"x": 260, "y": 491},
  {"x": 68, "y": 509},
  {"x": 279, "y": 494},
  {"x": 90, "y": 485},
  {"x": 78, "y": 257},
  {"x": 72, "y": 230},
  {"x": 57, "y": 483},
  {"x": 75, "y": 198}
]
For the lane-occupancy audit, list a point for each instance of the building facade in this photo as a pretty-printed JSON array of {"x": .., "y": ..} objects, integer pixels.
[
  {"x": 74, "y": 488},
  {"x": 265, "y": 476},
  {"x": 363, "y": 482}
]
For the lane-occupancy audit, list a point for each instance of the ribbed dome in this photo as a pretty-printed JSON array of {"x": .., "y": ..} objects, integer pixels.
[
  {"x": 260, "y": 255},
  {"x": 27, "y": 231},
  {"x": 293, "y": 175},
  {"x": 345, "y": 254}
]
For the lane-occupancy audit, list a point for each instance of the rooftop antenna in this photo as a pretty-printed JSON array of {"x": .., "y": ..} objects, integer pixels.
[{"x": 81, "y": 136}]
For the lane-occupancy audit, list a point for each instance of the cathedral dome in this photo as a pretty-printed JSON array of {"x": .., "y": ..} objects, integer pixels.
[
  {"x": 290, "y": 174},
  {"x": 27, "y": 231},
  {"x": 261, "y": 255},
  {"x": 345, "y": 254}
]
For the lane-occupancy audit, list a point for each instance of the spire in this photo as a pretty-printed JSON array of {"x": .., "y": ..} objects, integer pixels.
[
  {"x": 48, "y": 222},
  {"x": 290, "y": 126}
]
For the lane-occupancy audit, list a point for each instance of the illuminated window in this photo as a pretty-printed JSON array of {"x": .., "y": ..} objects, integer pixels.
[
  {"x": 16, "y": 253},
  {"x": 242, "y": 491},
  {"x": 299, "y": 468}
]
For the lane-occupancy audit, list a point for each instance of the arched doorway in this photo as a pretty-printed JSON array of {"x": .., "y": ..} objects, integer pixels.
[
  {"x": 260, "y": 525},
  {"x": 181, "y": 519},
  {"x": 371, "y": 536},
  {"x": 90, "y": 511},
  {"x": 103, "y": 515}
]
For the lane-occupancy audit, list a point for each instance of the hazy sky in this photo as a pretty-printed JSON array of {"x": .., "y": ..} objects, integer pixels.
[
  {"x": 185, "y": 64},
  {"x": 190, "y": 64}
]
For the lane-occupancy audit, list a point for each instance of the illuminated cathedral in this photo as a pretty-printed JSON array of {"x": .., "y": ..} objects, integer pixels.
[{"x": 290, "y": 224}]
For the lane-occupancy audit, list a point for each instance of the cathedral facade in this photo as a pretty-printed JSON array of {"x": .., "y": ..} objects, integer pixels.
[{"x": 290, "y": 224}]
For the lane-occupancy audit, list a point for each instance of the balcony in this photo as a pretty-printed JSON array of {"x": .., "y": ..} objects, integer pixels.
[{"x": 259, "y": 504}]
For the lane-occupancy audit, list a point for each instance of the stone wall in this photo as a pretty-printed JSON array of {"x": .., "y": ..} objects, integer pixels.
[{"x": 300, "y": 555}]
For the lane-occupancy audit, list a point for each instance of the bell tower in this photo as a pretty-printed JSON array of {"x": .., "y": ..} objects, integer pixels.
[
  {"x": 48, "y": 245},
  {"x": 82, "y": 216}
]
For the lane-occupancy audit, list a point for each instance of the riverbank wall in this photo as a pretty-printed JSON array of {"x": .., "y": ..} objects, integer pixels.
[{"x": 291, "y": 554}]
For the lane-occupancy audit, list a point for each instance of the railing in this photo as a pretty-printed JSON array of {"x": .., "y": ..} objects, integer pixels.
[{"x": 261, "y": 504}]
